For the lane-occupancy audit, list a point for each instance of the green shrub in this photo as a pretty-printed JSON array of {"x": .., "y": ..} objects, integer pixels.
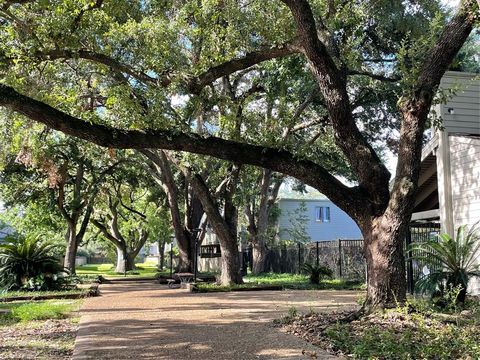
[
  {"x": 452, "y": 262},
  {"x": 29, "y": 264},
  {"x": 316, "y": 272}
]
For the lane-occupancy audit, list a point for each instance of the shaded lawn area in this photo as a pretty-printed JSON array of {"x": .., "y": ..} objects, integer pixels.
[
  {"x": 11, "y": 295},
  {"x": 38, "y": 330},
  {"x": 285, "y": 281},
  {"x": 108, "y": 270}
]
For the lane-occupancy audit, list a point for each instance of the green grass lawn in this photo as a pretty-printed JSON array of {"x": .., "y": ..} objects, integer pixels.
[
  {"x": 108, "y": 270},
  {"x": 286, "y": 281},
  {"x": 24, "y": 311}
]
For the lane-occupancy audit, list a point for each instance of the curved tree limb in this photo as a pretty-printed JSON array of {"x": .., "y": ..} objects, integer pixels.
[
  {"x": 372, "y": 174},
  {"x": 349, "y": 199}
]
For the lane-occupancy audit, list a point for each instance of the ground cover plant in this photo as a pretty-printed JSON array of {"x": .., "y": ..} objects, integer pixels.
[
  {"x": 38, "y": 330},
  {"x": 417, "y": 330}
]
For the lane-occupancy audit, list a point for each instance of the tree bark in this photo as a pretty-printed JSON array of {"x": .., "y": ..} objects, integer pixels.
[
  {"x": 163, "y": 173},
  {"x": 258, "y": 228},
  {"x": 228, "y": 241},
  {"x": 161, "y": 254},
  {"x": 125, "y": 260},
  {"x": 71, "y": 249},
  {"x": 383, "y": 247}
]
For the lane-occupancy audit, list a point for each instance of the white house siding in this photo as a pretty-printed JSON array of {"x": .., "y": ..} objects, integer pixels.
[
  {"x": 341, "y": 226},
  {"x": 465, "y": 175},
  {"x": 465, "y": 104}
]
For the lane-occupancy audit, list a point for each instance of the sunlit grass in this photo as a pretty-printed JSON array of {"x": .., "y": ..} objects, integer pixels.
[
  {"x": 285, "y": 281},
  {"x": 142, "y": 269},
  {"x": 24, "y": 311}
]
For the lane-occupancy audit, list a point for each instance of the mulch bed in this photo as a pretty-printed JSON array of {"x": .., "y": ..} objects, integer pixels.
[
  {"x": 51, "y": 339},
  {"x": 311, "y": 327}
]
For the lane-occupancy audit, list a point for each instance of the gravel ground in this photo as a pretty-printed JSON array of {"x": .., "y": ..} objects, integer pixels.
[{"x": 144, "y": 320}]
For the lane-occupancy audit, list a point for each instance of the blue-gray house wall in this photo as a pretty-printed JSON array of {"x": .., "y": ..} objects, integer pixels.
[{"x": 340, "y": 226}]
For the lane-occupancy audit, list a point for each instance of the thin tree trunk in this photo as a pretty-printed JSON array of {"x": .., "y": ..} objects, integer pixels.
[
  {"x": 161, "y": 254},
  {"x": 228, "y": 241},
  {"x": 71, "y": 250},
  {"x": 163, "y": 174}
]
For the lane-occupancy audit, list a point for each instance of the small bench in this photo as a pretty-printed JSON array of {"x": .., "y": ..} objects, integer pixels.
[
  {"x": 171, "y": 283},
  {"x": 180, "y": 278}
]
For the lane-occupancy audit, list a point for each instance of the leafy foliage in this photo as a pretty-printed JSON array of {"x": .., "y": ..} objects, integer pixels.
[
  {"x": 452, "y": 261},
  {"x": 29, "y": 264},
  {"x": 316, "y": 272}
]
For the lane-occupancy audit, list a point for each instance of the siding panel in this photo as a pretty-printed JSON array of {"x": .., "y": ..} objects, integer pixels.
[
  {"x": 341, "y": 226},
  {"x": 466, "y": 104}
]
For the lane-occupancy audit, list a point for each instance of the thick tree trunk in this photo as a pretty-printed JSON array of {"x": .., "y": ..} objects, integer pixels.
[
  {"x": 230, "y": 263},
  {"x": 259, "y": 256},
  {"x": 125, "y": 260},
  {"x": 386, "y": 281}
]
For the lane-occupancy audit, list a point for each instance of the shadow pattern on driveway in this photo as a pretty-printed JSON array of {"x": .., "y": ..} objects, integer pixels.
[{"x": 149, "y": 321}]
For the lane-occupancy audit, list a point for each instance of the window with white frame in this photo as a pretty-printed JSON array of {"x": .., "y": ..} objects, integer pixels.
[{"x": 322, "y": 214}]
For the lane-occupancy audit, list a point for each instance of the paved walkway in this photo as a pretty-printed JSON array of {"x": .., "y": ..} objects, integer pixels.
[{"x": 144, "y": 320}]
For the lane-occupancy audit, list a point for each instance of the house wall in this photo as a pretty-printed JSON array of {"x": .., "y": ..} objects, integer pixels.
[
  {"x": 341, "y": 226},
  {"x": 465, "y": 118},
  {"x": 465, "y": 180}
]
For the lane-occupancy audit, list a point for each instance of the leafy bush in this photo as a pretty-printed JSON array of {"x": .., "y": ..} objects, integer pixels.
[
  {"x": 29, "y": 264},
  {"x": 316, "y": 272},
  {"x": 452, "y": 262}
]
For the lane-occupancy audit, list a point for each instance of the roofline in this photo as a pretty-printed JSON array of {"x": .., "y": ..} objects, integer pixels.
[
  {"x": 461, "y": 74},
  {"x": 300, "y": 199}
]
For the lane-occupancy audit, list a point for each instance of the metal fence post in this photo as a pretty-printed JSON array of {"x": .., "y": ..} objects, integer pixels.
[
  {"x": 339, "y": 257},
  {"x": 410, "y": 282},
  {"x": 299, "y": 259},
  {"x": 318, "y": 260}
]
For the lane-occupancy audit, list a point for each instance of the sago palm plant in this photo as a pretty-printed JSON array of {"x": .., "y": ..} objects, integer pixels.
[
  {"x": 25, "y": 260},
  {"x": 316, "y": 272},
  {"x": 451, "y": 261}
]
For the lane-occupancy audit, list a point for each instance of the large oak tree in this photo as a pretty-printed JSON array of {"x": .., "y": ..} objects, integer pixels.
[{"x": 107, "y": 72}]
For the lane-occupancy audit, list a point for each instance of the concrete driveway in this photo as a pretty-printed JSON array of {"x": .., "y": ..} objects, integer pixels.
[{"x": 145, "y": 320}]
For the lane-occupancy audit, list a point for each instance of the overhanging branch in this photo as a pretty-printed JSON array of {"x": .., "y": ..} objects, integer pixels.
[{"x": 278, "y": 160}]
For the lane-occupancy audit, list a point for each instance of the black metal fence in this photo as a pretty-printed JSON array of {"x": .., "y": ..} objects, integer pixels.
[
  {"x": 419, "y": 232},
  {"x": 344, "y": 257}
]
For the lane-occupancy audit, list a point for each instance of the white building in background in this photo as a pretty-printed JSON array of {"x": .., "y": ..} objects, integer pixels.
[
  {"x": 324, "y": 220},
  {"x": 449, "y": 183}
]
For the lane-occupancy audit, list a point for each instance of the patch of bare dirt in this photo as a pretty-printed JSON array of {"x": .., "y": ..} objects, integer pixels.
[{"x": 51, "y": 339}]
